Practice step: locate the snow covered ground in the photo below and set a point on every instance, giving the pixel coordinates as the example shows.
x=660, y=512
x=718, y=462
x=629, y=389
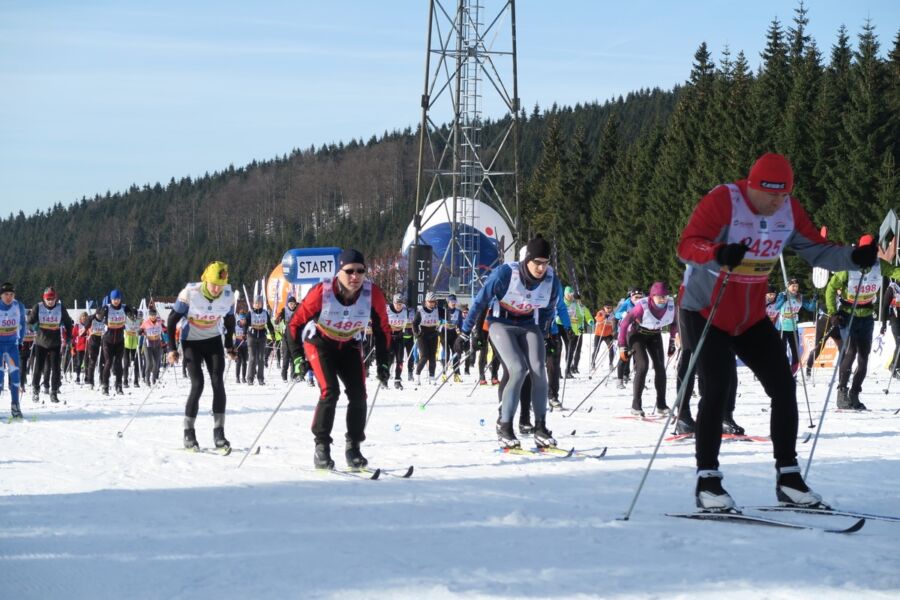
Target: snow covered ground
x=84, y=514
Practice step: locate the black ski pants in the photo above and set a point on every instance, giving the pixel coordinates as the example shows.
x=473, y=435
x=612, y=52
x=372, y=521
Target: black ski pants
x=46, y=359
x=554, y=361
x=257, y=359
x=647, y=349
x=760, y=348
x=859, y=344
x=598, y=343
x=93, y=355
x=488, y=346
x=399, y=346
x=428, y=341
x=332, y=361
x=113, y=353
x=211, y=353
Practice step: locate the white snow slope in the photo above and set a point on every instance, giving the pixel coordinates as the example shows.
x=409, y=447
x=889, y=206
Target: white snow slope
x=84, y=514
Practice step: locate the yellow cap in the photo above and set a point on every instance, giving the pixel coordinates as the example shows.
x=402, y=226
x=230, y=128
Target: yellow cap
x=215, y=273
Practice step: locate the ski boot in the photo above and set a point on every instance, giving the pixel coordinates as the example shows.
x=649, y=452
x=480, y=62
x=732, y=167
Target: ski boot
x=190, y=440
x=855, y=404
x=46, y=389
x=555, y=404
x=685, y=425
x=35, y=396
x=398, y=385
x=620, y=384
x=482, y=382
x=637, y=412
x=507, y=436
x=525, y=426
x=808, y=372
x=105, y=390
x=126, y=384
x=457, y=378
x=355, y=459
x=568, y=375
x=791, y=490
x=219, y=437
x=543, y=437
x=119, y=389
x=729, y=426
x=54, y=398
x=409, y=376
x=322, y=456
x=16, y=413
x=843, y=399
x=710, y=495
x=663, y=410
x=136, y=386
x=495, y=381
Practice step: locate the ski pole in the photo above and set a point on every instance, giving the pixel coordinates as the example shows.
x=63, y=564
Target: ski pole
x=424, y=404
x=893, y=367
x=680, y=398
x=272, y=416
x=599, y=383
x=834, y=372
x=797, y=341
x=121, y=433
x=371, y=408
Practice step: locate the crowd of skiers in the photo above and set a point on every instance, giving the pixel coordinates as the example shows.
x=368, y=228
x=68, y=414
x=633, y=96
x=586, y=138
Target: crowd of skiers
x=522, y=319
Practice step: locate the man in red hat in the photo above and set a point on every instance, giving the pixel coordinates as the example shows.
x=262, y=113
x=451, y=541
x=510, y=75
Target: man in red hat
x=49, y=315
x=859, y=291
x=738, y=231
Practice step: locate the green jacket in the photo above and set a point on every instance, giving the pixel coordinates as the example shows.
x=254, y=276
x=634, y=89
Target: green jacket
x=580, y=316
x=840, y=281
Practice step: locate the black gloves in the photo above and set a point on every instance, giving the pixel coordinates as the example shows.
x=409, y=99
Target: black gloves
x=671, y=350
x=883, y=328
x=731, y=255
x=865, y=256
x=461, y=345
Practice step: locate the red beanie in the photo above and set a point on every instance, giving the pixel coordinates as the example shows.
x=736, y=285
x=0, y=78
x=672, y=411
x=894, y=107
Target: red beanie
x=866, y=239
x=771, y=173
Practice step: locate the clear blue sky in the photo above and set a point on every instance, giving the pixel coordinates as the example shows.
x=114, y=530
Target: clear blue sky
x=97, y=95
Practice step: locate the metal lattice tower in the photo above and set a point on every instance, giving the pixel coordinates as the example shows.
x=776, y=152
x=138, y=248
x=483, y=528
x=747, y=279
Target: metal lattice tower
x=470, y=56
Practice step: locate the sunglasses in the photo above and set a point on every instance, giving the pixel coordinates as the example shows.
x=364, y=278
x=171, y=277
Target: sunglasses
x=541, y=263
x=352, y=271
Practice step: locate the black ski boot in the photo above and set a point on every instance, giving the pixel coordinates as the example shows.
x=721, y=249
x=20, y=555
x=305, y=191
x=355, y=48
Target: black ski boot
x=16, y=413
x=685, y=425
x=322, y=456
x=119, y=389
x=791, y=490
x=709, y=493
x=507, y=436
x=620, y=385
x=54, y=398
x=190, y=439
x=543, y=437
x=105, y=390
x=355, y=459
x=398, y=385
x=729, y=426
x=855, y=404
x=221, y=442
x=525, y=426
x=843, y=399
x=35, y=396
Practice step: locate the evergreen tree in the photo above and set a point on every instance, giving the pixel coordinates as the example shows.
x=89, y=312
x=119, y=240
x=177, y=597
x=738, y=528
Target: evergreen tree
x=772, y=90
x=851, y=205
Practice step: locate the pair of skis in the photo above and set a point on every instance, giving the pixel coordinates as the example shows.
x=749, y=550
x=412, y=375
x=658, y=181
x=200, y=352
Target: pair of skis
x=367, y=473
x=736, y=516
x=555, y=452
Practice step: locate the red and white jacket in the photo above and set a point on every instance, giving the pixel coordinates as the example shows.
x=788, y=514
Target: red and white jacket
x=724, y=216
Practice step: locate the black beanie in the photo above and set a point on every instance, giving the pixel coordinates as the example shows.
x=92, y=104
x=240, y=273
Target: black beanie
x=537, y=248
x=350, y=256
x=7, y=287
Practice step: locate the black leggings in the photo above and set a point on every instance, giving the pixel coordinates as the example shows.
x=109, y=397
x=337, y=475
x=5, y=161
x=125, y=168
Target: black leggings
x=760, y=348
x=427, y=352
x=211, y=353
x=648, y=348
x=823, y=327
x=859, y=344
x=790, y=343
